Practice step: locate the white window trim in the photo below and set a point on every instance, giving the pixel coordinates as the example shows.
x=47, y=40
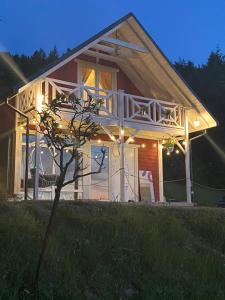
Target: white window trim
x=97, y=68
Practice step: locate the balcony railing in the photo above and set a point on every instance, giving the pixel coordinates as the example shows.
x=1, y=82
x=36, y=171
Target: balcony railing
x=116, y=104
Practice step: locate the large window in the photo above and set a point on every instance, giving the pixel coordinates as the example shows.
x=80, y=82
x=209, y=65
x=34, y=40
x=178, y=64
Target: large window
x=48, y=171
x=99, y=181
x=97, y=76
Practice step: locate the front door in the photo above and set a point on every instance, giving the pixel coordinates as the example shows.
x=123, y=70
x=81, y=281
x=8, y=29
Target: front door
x=131, y=174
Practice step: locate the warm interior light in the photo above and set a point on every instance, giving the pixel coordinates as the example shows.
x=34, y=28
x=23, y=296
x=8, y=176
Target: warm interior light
x=21, y=127
x=122, y=131
x=154, y=145
x=184, y=143
x=177, y=151
x=130, y=140
x=143, y=145
x=60, y=126
x=168, y=153
x=40, y=99
x=196, y=123
x=112, y=137
x=99, y=141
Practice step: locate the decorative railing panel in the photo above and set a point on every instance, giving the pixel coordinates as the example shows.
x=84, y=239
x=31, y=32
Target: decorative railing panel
x=155, y=112
x=27, y=99
x=109, y=98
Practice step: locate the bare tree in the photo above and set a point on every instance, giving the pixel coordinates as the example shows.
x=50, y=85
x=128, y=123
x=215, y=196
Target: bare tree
x=68, y=133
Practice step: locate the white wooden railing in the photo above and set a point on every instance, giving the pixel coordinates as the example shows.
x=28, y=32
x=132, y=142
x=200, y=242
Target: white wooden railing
x=152, y=111
x=137, y=109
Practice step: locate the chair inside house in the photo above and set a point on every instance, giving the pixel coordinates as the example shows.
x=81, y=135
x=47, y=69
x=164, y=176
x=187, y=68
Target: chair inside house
x=44, y=180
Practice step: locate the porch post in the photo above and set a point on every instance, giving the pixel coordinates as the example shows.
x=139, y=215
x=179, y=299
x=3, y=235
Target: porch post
x=160, y=166
x=36, y=165
x=187, y=161
x=122, y=153
x=39, y=103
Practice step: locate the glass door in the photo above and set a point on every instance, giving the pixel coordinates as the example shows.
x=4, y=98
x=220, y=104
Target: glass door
x=99, y=181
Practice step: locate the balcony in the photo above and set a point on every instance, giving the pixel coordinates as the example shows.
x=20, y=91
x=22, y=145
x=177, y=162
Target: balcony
x=137, y=111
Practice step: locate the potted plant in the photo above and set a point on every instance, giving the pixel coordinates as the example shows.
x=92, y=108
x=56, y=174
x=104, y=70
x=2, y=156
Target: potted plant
x=169, y=145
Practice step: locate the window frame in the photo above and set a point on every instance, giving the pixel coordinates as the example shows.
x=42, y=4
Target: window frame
x=98, y=68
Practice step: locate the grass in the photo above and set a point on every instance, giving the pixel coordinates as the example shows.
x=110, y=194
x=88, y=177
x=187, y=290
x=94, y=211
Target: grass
x=112, y=251
x=202, y=196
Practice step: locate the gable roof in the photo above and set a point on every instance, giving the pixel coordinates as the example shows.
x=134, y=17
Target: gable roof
x=151, y=72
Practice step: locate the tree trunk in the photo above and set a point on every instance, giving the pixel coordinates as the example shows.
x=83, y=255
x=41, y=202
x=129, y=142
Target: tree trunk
x=45, y=242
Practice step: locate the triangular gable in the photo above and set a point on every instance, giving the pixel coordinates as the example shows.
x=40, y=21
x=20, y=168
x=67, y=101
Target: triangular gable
x=146, y=66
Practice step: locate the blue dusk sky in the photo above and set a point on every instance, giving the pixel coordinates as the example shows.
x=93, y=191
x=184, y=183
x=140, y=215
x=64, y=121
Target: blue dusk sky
x=188, y=29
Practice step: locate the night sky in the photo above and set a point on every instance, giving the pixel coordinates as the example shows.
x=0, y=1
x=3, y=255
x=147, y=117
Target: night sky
x=188, y=29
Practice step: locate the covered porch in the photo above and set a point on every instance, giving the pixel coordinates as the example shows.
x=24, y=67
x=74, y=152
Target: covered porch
x=131, y=126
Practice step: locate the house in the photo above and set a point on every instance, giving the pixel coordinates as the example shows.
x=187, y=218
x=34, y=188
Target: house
x=146, y=104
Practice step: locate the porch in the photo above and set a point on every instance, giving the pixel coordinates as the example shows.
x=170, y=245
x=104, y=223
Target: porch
x=124, y=119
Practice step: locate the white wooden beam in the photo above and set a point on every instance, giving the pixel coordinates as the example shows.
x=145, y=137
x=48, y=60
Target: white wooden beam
x=104, y=56
x=124, y=44
x=104, y=48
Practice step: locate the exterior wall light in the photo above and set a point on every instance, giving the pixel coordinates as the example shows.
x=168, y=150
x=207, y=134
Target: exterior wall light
x=39, y=103
x=196, y=123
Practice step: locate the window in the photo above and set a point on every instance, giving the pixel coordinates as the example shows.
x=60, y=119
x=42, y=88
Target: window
x=98, y=76
x=99, y=181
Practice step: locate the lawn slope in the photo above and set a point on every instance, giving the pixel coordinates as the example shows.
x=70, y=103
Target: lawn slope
x=111, y=251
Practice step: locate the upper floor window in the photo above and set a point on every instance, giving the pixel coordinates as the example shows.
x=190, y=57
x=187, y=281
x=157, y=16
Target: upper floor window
x=97, y=76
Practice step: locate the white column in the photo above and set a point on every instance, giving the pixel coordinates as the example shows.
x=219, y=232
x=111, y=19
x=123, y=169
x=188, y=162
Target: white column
x=122, y=152
x=160, y=166
x=187, y=161
x=38, y=104
x=17, y=148
x=36, y=165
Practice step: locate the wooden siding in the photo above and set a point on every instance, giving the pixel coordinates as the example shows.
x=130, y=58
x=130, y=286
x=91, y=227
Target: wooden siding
x=67, y=72
x=7, y=119
x=148, y=160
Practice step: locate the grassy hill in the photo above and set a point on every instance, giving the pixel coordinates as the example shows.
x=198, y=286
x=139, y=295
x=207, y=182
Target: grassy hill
x=112, y=251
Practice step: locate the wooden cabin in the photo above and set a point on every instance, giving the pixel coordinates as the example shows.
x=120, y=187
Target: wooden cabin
x=140, y=90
